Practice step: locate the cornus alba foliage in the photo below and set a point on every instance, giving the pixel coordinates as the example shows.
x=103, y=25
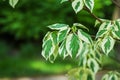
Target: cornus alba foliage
x=64, y=40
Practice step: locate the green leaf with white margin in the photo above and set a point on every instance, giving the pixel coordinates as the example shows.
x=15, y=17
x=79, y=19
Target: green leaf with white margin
x=89, y=4
x=13, y=2
x=105, y=26
x=112, y=75
x=62, y=34
x=101, y=33
x=77, y=5
x=117, y=22
x=58, y=26
x=54, y=37
x=62, y=50
x=116, y=34
x=80, y=26
x=116, y=29
x=73, y=45
x=48, y=48
x=105, y=77
x=63, y=1
x=93, y=65
x=82, y=61
x=84, y=36
x=107, y=44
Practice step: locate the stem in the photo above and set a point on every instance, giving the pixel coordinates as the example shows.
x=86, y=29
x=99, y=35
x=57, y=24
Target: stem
x=93, y=15
x=116, y=3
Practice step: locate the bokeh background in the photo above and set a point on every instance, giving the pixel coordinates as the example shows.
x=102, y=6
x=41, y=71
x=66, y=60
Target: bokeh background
x=23, y=28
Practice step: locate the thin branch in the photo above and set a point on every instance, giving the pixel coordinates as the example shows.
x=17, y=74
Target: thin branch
x=93, y=14
x=90, y=13
x=116, y=3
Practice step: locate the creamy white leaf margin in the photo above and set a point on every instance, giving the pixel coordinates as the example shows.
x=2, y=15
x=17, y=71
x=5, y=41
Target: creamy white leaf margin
x=62, y=50
x=77, y=5
x=89, y=4
x=13, y=2
x=84, y=36
x=96, y=65
x=109, y=41
x=48, y=37
x=68, y=43
x=58, y=26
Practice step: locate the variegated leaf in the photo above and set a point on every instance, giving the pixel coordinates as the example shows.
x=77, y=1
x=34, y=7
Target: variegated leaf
x=80, y=26
x=98, y=56
x=107, y=44
x=73, y=45
x=93, y=65
x=83, y=61
x=58, y=26
x=77, y=5
x=116, y=34
x=62, y=34
x=105, y=26
x=84, y=36
x=105, y=77
x=101, y=33
x=54, y=37
x=46, y=37
x=48, y=48
x=117, y=23
x=13, y=2
x=63, y=1
x=62, y=50
x=112, y=75
x=89, y=4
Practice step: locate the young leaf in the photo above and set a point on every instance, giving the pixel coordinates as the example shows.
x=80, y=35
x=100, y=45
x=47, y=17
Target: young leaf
x=89, y=4
x=107, y=44
x=73, y=45
x=77, y=5
x=62, y=50
x=58, y=26
x=13, y=2
x=84, y=36
x=62, y=34
x=63, y=1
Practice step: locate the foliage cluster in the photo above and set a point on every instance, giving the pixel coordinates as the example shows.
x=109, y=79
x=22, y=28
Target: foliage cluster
x=73, y=41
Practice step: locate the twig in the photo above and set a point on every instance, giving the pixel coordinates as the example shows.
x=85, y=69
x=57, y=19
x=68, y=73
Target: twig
x=116, y=3
x=90, y=13
x=93, y=14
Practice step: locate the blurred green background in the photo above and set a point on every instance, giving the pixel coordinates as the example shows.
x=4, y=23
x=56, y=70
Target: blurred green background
x=23, y=28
